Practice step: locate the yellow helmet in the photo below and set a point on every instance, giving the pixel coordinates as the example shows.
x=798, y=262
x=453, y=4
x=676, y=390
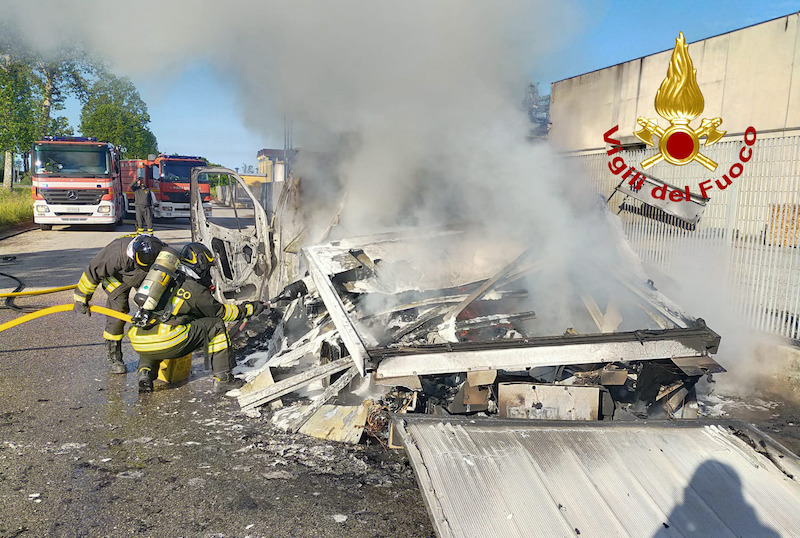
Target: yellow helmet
x=197, y=257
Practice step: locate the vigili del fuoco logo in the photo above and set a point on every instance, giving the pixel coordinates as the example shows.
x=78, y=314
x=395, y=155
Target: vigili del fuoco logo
x=679, y=101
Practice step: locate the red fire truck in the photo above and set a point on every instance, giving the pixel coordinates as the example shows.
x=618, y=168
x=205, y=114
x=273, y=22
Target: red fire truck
x=168, y=178
x=76, y=180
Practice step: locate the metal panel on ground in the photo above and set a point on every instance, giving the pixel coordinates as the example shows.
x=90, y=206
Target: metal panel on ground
x=525, y=478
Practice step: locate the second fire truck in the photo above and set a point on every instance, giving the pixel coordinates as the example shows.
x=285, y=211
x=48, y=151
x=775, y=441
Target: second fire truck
x=168, y=178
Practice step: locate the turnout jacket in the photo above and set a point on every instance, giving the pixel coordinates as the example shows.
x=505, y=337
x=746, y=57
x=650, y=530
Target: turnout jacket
x=193, y=300
x=113, y=267
x=141, y=194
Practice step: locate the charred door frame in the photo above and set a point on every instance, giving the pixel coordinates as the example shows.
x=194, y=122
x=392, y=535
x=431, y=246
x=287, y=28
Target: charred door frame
x=252, y=285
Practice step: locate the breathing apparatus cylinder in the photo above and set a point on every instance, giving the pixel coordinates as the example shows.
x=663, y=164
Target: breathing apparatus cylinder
x=162, y=273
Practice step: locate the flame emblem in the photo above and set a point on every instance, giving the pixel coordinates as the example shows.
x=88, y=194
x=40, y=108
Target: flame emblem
x=679, y=101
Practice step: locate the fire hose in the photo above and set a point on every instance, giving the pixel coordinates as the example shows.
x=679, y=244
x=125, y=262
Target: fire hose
x=38, y=292
x=62, y=308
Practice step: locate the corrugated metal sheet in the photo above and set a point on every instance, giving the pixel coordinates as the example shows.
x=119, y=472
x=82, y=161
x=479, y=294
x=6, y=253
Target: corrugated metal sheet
x=522, y=478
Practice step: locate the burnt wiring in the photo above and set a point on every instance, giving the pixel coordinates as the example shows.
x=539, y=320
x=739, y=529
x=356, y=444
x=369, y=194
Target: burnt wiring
x=378, y=420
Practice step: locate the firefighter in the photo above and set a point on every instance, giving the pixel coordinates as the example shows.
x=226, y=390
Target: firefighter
x=198, y=321
x=144, y=206
x=120, y=266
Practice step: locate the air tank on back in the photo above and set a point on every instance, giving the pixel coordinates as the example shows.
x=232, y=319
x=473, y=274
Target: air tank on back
x=158, y=280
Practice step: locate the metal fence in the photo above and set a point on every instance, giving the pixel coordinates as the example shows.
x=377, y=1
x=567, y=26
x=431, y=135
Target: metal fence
x=752, y=226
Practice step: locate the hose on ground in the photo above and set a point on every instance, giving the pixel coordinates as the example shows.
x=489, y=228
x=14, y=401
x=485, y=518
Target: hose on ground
x=62, y=308
x=36, y=292
x=10, y=298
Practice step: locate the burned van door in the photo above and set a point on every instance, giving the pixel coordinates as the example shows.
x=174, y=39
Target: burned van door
x=240, y=242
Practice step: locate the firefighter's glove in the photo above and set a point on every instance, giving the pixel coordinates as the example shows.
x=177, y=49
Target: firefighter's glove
x=253, y=308
x=82, y=308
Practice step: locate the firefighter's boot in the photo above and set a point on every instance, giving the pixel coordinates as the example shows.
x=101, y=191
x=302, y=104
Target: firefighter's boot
x=115, y=362
x=223, y=382
x=145, y=380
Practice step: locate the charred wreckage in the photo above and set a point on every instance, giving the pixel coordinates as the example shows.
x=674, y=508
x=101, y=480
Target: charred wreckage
x=372, y=325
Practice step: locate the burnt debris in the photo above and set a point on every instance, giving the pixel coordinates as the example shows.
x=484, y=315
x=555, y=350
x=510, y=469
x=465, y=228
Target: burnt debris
x=369, y=326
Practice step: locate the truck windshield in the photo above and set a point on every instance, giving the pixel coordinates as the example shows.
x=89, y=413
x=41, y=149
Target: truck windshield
x=179, y=171
x=63, y=160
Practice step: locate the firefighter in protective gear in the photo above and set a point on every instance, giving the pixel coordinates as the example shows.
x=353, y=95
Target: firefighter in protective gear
x=198, y=321
x=120, y=266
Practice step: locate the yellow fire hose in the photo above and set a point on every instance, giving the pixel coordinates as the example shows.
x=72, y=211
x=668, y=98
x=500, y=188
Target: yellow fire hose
x=38, y=292
x=62, y=308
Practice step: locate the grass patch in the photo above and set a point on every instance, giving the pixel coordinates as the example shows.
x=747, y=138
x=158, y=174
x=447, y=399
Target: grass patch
x=16, y=207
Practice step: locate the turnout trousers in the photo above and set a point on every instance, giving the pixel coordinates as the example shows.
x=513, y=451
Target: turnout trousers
x=144, y=219
x=117, y=300
x=172, y=341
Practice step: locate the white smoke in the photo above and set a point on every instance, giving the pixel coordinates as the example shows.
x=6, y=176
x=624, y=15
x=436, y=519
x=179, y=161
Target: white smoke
x=432, y=89
x=427, y=93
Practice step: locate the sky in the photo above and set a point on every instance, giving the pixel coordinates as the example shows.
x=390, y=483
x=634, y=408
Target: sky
x=196, y=109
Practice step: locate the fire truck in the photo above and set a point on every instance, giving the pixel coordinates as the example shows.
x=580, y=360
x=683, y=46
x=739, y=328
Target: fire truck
x=76, y=180
x=168, y=178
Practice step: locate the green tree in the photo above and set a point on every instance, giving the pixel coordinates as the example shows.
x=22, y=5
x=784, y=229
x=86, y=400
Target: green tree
x=17, y=99
x=59, y=126
x=60, y=74
x=115, y=112
x=17, y=112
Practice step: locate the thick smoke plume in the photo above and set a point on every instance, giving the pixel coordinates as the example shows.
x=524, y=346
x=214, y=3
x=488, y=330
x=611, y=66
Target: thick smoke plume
x=429, y=91
x=426, y=96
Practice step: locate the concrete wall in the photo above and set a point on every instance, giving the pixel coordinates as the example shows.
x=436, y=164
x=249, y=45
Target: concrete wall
x=748, y=77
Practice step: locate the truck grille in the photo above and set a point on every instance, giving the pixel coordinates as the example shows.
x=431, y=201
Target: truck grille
x=178, y=197
x=73, y=196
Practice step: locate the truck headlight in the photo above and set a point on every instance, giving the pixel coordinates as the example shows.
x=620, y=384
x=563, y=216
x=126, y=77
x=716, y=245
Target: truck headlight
x=104, y=209
x=42, y=209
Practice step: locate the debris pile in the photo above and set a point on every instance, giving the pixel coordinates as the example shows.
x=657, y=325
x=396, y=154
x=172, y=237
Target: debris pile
x=376, y=328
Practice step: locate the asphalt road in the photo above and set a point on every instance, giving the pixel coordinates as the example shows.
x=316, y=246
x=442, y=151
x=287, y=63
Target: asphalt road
x=83, y=454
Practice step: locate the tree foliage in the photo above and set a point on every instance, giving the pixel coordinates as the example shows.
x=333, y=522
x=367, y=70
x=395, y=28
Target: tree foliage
x=18, y=94
x=17, y=100
x=59, y=126
x=17, y=107
x=35, y=85
x=115, y=112
x=65, y=72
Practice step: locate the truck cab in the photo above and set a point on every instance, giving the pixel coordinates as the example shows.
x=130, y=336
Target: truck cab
x=170, y=176
x=76, y=180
